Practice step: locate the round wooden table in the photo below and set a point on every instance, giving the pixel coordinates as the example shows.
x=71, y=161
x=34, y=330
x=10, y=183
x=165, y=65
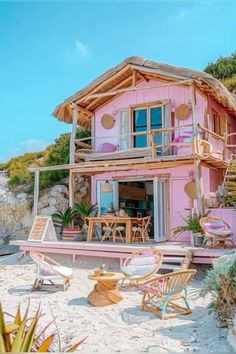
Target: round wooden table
x=105, y=291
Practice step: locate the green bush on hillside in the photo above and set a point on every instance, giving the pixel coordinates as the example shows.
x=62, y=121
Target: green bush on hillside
x=55, y=154
x=224, y=69
x=17, y=168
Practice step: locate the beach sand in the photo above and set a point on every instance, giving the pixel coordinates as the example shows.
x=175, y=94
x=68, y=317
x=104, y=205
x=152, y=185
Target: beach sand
x=121, y=328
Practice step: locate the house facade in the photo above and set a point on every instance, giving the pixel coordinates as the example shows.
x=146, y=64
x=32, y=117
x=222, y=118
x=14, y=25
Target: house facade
x=161, y=140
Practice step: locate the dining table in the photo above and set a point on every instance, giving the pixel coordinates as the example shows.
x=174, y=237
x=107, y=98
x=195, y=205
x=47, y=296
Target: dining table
x=128, y=221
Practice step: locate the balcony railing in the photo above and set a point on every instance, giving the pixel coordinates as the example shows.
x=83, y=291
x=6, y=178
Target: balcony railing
x=200, y=141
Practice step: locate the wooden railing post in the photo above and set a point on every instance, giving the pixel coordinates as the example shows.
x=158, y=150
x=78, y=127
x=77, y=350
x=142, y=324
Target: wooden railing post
x=36, y=193
x=153, y=149
x=224, y=146
x=73, y=132
x=199, y=187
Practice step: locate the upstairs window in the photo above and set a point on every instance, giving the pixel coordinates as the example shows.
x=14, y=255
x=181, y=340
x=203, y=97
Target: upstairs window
x=219, y=123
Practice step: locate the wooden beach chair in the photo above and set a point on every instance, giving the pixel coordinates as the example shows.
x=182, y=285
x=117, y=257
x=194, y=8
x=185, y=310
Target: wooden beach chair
x=217, y=233
x=167, y=291
x=141, y=265
x=50, y=271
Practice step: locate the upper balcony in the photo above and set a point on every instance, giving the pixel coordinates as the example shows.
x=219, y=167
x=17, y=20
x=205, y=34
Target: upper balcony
x=165, y=144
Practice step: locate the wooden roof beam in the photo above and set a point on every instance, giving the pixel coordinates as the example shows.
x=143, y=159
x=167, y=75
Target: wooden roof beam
x=85, y=110
x=142, y=76
x=115, y=87
x=135, y=88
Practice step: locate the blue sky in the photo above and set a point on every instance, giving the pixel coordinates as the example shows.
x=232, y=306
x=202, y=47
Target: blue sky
x=48, y=50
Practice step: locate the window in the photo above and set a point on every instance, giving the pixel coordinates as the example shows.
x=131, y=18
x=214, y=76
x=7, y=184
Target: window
x=145, y=119
x=219, y=123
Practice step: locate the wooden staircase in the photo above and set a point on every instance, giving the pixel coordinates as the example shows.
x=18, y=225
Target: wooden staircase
x=230, y=179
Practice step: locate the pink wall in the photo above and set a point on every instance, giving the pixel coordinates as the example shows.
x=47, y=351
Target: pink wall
x=179, y=202
x=178, y=199
x=214, y=106
x=177, y=95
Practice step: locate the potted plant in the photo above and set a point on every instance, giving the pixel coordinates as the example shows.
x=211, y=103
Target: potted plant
x=82, y=210
x=192, y=225
x=64, y=219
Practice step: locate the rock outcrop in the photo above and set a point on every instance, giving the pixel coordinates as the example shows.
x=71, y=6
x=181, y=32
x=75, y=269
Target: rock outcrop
x=16, y=207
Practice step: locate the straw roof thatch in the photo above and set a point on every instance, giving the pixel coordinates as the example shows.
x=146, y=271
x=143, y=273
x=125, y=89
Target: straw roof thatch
x=120, y=78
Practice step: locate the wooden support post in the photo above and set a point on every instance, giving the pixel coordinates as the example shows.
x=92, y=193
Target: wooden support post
x=36, y=193
x=199, y=187
x=71, y=188
x=194, y=118
x=73, y=132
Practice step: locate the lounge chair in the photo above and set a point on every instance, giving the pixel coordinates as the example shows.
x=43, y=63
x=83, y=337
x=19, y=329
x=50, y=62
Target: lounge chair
x=165, y=291
x=141, y=266
x=49, y=270
x=217, y=232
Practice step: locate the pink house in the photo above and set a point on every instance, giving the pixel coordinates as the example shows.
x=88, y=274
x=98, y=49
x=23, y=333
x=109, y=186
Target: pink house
x=161, y=141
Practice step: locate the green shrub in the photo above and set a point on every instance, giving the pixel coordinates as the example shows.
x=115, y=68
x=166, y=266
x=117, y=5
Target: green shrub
x=223, y=68
x=3, y=166
x=230, y=83
x=17, y=168
x=220, y=282
x=55, y=154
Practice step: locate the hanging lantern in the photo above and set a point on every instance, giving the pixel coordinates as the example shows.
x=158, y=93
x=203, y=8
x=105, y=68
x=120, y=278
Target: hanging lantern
x=106, y=187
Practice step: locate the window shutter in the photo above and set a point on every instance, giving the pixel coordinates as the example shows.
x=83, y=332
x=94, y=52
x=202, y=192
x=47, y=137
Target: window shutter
x=124, y=129
x=167, y=136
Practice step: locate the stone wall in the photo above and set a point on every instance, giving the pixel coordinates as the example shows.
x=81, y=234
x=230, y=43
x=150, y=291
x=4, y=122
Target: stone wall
x=16, y=207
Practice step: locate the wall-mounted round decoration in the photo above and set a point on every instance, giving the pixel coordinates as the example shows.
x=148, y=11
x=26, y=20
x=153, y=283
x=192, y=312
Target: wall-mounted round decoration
x=190, y=190
x=107, y=121
x=182, y=111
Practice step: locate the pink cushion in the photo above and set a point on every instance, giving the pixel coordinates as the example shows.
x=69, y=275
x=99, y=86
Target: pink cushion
x=47, y=271
x=107, y=147
x=214, y=225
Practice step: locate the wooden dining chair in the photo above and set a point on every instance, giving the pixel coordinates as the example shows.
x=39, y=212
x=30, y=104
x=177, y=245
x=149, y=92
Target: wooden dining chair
x=112, y=231
x=140, y=230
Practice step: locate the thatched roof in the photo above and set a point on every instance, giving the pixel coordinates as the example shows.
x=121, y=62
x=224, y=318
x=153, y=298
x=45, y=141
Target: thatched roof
x=121, y=77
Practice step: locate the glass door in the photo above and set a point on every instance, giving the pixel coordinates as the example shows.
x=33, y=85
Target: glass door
x=106, y=199
x=160, y=210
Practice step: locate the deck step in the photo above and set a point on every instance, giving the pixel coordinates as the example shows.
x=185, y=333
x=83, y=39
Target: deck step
x=168, y=266
x=173, y=259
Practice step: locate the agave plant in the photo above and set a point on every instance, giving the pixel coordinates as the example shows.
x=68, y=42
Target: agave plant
x=21, y=335
x=64, y=219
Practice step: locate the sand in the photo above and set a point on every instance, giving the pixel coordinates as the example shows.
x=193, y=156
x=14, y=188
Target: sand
x=119, y=328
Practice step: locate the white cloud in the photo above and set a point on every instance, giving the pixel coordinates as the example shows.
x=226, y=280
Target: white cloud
x=82, y=48
x=175, y=19
x=79, y=51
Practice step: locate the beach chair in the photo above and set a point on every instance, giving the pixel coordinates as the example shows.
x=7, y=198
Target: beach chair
x=141, y=265
x=217, y=232
x=167, y=291
x=50, y=271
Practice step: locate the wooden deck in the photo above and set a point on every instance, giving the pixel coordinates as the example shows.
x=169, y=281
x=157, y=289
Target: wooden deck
x=173, y=252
